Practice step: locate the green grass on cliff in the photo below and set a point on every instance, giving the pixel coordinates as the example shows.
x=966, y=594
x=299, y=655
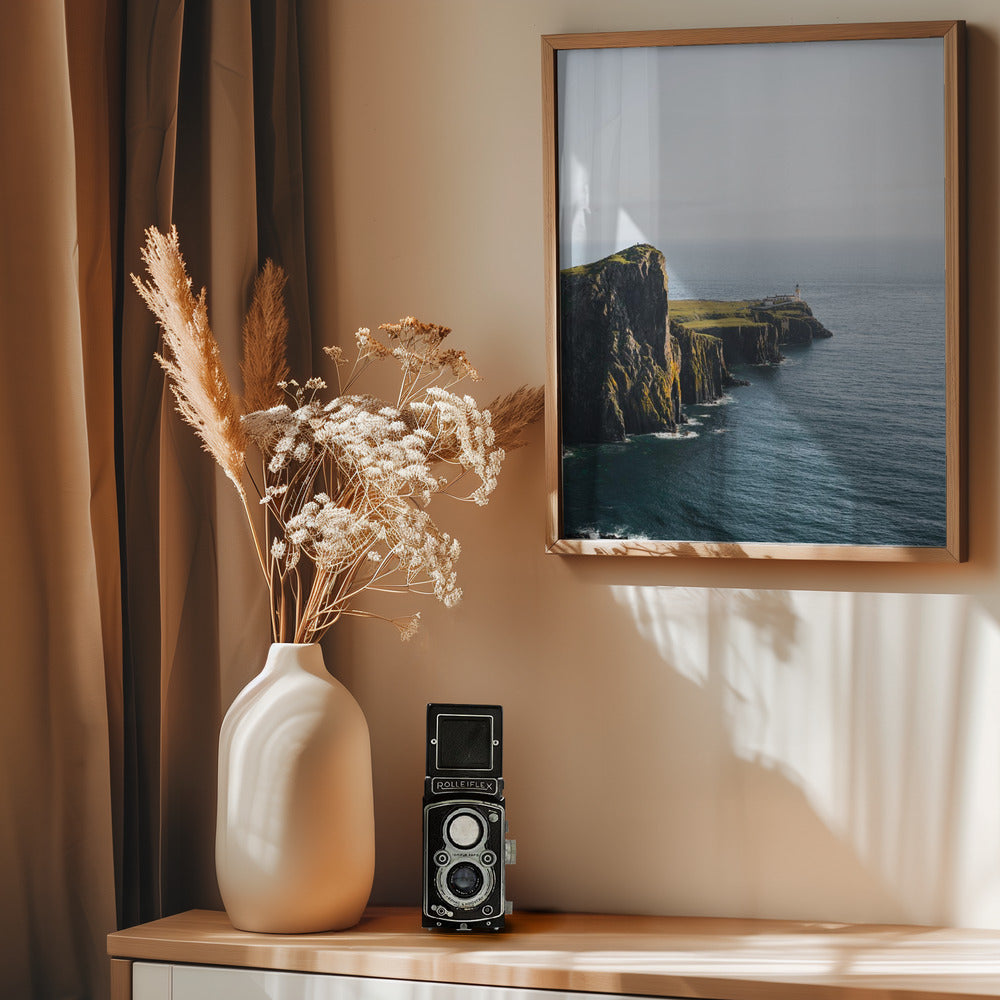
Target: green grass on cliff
x=790, y=309
x=629, y=255
x=691, y=312
x=687, y=311
x=722, y=323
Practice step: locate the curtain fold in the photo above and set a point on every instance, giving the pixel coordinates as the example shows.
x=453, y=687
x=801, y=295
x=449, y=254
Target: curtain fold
x=211, y=99
x=61, y=710
x=280, y=163
x=133, y=609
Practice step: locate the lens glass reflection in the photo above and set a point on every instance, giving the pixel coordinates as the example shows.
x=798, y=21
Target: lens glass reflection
x=465, y=880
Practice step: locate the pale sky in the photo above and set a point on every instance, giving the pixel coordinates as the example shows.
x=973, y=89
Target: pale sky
x=806, y=140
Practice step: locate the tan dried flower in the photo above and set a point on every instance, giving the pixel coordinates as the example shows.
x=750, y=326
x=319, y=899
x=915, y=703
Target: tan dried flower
x=336, y=355
x=408, y=627
x=345, y=483
x=191, y=357
x=265, y=333
x=512, y=414
x=416, y=335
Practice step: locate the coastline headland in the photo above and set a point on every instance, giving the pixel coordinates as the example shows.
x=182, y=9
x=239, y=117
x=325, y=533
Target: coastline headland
x=631, y=357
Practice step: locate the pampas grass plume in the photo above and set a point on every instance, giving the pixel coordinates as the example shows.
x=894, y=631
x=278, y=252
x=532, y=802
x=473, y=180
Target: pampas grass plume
x=265, y=335
x=191, y=357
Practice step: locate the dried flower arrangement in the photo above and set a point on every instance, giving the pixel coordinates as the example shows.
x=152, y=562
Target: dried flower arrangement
x=344, y=484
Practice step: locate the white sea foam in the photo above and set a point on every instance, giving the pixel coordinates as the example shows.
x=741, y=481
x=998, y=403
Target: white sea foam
x=723, y=400
x=619, y=532
x=684, y=435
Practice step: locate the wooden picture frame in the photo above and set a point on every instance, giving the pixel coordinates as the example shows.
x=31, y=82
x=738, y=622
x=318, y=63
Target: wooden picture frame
x=667, y=115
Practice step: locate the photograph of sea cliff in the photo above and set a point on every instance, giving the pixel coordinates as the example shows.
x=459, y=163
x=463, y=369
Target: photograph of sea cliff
x=752, y=293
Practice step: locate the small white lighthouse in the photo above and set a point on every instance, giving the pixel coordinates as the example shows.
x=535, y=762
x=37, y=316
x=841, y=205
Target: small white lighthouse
x=798, y=293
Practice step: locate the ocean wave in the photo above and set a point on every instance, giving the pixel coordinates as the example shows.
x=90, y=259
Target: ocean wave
x=723, y=400
x=684, y=435
x=591, y=533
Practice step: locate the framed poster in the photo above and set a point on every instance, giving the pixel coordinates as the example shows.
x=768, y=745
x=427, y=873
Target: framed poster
x=755, y=292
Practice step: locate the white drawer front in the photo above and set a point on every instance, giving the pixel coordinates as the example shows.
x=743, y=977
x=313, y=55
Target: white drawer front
x=152, y=981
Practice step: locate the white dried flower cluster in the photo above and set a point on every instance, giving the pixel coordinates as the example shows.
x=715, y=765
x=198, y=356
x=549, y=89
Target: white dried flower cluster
x=426, y=552
x=368, y=346
x=266, y=427
x=330, y=535
x=285, y=555
x=468, y=433
x=288, y=435
x=343, y=485
x=347, y=483
x=408, y=627
x=379, y=443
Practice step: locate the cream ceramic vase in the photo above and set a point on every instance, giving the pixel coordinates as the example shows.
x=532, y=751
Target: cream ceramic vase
x=295, y=838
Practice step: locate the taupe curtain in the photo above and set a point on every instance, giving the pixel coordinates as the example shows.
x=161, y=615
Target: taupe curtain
x=60, y=709
x=132, y=612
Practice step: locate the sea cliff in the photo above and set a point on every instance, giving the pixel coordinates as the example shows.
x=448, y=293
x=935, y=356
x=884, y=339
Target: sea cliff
x=630, y=357
x=750, y=331
x=621, y=369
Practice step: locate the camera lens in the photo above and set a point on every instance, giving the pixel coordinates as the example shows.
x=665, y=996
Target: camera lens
x=465, y=880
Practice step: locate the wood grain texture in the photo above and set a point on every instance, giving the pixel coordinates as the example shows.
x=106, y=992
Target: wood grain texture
x=553, y=464
x=758, y=35
x=121, y=979
x=750, y=550
x=955, y=295
x=955, y=548
x=726, y=959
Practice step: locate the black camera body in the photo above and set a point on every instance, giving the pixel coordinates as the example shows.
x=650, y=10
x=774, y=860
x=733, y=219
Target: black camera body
x=465, y=823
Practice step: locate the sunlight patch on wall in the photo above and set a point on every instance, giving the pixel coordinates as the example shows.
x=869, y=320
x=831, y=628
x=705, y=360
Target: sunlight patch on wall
x=674, y=622
x=880, y=708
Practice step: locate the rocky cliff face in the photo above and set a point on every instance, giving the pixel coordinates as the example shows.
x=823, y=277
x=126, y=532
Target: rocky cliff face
x=796, y=324
x=749, y=333
x=704, y=375
x=619, y=373
x=627, y=362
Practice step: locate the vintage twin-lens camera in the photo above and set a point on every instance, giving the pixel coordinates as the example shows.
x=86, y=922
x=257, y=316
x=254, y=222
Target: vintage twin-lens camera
x=465, y=823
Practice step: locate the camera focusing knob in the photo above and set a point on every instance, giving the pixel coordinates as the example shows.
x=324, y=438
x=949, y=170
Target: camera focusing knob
x=510, y=852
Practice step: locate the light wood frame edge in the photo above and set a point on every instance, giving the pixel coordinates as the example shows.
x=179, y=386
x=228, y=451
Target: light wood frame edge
x=956, y=546
x=121, y=979
x=553, y=467
x=956, y=333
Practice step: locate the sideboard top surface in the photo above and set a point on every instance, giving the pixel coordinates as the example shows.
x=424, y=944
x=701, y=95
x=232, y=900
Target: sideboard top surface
x=724, y=959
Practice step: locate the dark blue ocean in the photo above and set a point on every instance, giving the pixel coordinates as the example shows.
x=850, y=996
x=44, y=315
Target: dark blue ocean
x=843, y=442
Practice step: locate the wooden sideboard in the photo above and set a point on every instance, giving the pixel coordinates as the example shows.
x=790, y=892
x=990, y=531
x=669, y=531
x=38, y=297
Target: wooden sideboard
x=722, y=959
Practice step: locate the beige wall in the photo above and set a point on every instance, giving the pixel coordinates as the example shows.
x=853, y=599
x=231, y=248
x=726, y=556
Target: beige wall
x=786, y=740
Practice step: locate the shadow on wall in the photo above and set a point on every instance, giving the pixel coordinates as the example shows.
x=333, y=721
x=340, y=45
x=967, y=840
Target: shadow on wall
x=669, y=750
x=786, y=754
x=783, y=754
x=862, y=733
